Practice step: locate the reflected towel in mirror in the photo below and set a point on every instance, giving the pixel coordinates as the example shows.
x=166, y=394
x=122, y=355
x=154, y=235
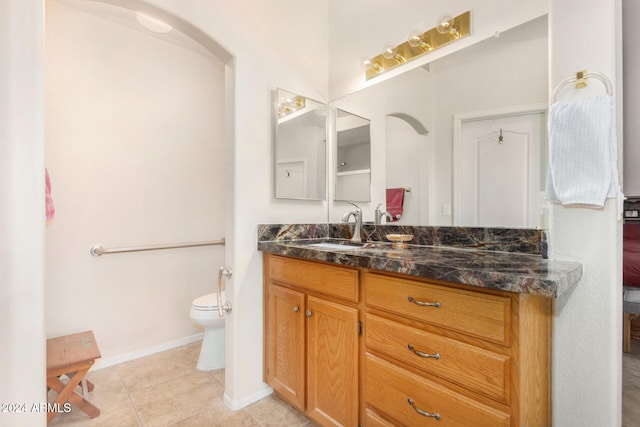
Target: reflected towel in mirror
x=395, y=202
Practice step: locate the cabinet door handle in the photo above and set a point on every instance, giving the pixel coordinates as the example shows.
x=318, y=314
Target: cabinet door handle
x=422, y=303
x=308, y=313
x=296, y=308
x=422, y=354
x=421, y=412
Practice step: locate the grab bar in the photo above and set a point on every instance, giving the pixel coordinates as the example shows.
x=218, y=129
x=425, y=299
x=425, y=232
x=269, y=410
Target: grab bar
x=227, y=305
x=97, y=250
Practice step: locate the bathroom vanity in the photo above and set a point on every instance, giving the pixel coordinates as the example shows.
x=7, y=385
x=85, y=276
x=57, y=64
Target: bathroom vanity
x=374, y=336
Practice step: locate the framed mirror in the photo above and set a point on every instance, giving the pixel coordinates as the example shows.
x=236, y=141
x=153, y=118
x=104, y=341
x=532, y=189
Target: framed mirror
x=353, y=168
x=300, y=147
x=413, y=132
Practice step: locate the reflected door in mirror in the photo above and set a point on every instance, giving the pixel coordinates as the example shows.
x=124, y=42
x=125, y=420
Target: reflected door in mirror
x=500, y=170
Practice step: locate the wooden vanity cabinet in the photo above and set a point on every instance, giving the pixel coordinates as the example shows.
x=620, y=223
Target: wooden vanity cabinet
x=311, y=337
x=430, y=353
x=452, y=355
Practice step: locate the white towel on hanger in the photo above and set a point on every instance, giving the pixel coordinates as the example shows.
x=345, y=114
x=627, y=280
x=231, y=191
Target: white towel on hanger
x=582, y=152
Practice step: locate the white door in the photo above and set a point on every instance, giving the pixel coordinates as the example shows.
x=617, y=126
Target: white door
x=498, y=164
x=291, y=176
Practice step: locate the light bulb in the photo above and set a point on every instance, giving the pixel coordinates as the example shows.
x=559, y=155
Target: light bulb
x=389, y=51
x=416, y=39
x=445, y=25
x=367, y=63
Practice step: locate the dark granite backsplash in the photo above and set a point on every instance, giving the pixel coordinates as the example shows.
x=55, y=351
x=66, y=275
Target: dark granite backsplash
x=517, y=240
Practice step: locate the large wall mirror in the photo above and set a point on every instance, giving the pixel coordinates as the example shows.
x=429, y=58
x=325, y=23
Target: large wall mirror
x=416, y=153
x=300, y=147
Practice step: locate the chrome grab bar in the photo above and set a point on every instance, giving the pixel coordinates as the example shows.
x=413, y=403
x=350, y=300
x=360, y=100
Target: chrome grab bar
x=97, y=250
x=227, y=305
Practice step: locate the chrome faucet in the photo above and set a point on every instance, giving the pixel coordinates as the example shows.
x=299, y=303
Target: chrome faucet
x=378, y=215
x=357, y=214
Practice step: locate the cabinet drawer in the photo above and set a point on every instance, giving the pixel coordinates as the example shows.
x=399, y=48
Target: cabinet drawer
x=374, y=420
x=393, y=390
x=325, y=278
x=471, y=367
x=474, y=313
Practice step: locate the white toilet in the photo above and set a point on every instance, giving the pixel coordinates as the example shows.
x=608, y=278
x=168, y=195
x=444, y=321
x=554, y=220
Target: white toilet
x=204, y=312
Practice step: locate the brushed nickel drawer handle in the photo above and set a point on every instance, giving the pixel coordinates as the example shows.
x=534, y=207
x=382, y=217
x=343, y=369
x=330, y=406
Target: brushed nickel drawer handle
x=422, y=303
x=422, y=354
x=296, y=309
x=421, y=412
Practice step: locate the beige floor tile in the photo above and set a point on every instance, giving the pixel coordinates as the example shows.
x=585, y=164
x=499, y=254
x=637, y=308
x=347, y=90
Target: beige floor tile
x=141, y=373
x=218, y=374
x=220, y=415
x=109, y=395
x=194, y=349
x=176, y=399
x=273, y=411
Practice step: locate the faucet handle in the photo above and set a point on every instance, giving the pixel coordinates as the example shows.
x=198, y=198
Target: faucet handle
x=357, y=207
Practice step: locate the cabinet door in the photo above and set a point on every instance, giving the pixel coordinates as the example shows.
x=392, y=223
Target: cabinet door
x=285, y=346
x=332, y=358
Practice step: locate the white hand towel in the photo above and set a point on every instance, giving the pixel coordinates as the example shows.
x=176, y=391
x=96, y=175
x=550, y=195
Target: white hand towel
x=582, y=152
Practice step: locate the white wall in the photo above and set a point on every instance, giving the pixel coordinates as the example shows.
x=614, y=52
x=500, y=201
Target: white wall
x=22, y=216
x=587, y=324
x=136, y=153
x=258, y=67
x=631, y=33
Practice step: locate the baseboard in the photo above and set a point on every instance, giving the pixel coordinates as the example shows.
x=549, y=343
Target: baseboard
x=236, y=404
x=116, y=360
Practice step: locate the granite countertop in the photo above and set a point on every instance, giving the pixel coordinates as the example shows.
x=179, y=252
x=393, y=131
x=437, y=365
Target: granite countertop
x=507, y=271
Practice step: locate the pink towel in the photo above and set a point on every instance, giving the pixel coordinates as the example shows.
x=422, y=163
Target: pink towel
x=395, y=200
x=50, y=209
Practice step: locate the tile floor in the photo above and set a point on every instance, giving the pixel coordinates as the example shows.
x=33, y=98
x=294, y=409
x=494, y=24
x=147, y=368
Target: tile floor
x=166, y=389
x=631, y=386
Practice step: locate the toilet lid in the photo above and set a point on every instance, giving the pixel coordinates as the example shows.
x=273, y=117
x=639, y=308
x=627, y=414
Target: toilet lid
x=207, y=302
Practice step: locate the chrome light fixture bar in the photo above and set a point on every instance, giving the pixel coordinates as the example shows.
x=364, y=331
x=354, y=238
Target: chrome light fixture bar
x=446, y=31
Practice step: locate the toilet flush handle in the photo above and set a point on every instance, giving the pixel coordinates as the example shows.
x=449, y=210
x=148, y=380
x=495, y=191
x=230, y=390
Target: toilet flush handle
x=227, y=305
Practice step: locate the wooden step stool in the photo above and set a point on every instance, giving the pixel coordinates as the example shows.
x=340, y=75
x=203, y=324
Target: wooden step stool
x=71, y=355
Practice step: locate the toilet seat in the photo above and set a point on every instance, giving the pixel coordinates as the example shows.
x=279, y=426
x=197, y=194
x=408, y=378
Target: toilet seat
x=207, y=302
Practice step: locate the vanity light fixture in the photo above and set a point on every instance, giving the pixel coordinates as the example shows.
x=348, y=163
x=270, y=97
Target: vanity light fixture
x=152, y=24
x=290, y=105
x=419, y=43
